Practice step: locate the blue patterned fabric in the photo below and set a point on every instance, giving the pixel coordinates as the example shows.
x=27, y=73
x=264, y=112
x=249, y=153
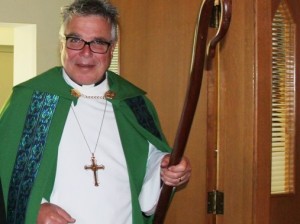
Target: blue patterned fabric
x=29, y=155
x=141, y=112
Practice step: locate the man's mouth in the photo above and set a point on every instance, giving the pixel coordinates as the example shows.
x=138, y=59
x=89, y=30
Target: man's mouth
x=85, y=65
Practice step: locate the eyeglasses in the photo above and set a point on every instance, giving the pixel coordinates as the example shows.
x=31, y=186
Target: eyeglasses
x=96, y=46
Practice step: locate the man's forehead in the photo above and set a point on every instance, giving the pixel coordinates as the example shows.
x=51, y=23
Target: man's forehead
x=92, y=27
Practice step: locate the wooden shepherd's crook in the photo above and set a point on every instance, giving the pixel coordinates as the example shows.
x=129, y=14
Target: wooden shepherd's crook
x=193, y=91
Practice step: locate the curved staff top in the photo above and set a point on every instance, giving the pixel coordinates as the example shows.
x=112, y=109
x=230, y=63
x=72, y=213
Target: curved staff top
x=201, y=53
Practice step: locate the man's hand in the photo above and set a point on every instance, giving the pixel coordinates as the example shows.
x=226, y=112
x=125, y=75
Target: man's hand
x=175, y=175
x=53, y=214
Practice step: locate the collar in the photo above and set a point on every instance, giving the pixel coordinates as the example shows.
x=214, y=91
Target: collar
x=89, y=90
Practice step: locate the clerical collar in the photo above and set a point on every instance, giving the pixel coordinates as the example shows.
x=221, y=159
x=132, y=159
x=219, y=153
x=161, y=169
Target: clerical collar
x=71, y=82
x=101, y=80
x=97, y=89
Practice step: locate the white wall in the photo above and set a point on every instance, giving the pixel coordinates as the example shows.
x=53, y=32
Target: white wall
x=23, y=39
x=46, y=16
x=6, y=73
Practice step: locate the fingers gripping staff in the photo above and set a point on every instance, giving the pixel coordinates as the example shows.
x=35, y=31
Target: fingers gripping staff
x=193, y=90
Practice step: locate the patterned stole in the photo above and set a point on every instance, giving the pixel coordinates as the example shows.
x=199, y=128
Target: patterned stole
x=142, y=114
x=29, y=155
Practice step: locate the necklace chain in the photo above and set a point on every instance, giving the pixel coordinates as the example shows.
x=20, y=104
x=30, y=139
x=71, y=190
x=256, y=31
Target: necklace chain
x=94, y=166
x=92, y=97
x=81, y=130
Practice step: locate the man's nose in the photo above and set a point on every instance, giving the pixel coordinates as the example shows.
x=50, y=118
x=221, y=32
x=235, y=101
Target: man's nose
x=86, y=50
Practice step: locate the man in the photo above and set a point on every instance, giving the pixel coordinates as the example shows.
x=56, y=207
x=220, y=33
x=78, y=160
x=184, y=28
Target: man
x=79, y=143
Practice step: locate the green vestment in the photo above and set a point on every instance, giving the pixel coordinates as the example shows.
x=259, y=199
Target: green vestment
x=31, y=125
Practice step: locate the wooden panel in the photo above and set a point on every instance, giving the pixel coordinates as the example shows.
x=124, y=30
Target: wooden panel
x=156, y=50
x=236, y=111
x=262, y=124
x=244, y=124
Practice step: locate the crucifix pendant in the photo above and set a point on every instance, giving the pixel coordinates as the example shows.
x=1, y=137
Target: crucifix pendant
x=94, y=167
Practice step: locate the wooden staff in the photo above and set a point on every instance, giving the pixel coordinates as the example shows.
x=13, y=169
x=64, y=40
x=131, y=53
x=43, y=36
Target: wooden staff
x=193, y=91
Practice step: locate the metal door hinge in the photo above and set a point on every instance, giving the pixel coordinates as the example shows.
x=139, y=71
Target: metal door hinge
x=215, y=202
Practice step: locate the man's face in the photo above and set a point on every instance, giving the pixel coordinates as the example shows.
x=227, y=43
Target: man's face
x=84, y=66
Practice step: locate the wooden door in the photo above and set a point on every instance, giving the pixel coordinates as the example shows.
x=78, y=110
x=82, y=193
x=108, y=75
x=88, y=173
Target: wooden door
x=156, y=51
x=243, y=121
x=285, y=208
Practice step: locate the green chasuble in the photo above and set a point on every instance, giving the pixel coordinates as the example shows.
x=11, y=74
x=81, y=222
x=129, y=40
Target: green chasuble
x=31, y=125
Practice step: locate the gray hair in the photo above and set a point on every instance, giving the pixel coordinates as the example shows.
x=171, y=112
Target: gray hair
x=100, y=8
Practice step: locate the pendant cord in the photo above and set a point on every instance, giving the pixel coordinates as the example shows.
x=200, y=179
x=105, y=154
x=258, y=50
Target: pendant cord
x=72, y=107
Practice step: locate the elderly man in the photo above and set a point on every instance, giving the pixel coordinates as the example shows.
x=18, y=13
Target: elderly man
x=80, y=143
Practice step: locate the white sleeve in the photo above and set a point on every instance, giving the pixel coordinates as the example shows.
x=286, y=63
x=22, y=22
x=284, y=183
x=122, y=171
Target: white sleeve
x=152, y=183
